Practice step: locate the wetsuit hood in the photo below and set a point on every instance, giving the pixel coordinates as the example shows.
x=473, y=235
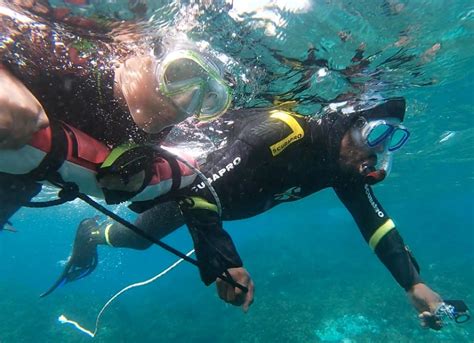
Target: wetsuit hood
x=337, y=118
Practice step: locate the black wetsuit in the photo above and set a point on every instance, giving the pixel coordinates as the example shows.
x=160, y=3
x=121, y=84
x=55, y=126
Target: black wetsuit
x=269, y=160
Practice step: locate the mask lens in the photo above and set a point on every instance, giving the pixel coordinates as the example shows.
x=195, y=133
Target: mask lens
x=378, y=134
x=190, y=101
x=183, y=74
x=216, y=100
x=194, y=84
x=399, y=137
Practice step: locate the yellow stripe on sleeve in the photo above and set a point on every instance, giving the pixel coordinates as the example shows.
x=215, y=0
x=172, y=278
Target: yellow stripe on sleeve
x=201, y=204
x=380, y=233
x=106, y=234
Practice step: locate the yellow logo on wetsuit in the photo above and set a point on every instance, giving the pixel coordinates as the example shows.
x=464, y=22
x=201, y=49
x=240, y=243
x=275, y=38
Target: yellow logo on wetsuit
x=296, y=134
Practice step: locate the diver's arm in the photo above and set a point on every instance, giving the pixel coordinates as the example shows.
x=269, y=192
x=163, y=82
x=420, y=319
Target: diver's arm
x=21, y=114
x=215, y=252
x=381, y=234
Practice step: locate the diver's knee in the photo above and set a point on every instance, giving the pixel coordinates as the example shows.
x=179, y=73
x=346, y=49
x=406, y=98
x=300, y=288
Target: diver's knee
x=142, y=244
x=127, y=239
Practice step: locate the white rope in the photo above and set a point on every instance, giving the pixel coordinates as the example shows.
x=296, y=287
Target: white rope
x=62, y=318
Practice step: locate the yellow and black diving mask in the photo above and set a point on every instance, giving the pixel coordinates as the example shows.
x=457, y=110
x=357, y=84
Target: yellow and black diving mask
x=194, y=84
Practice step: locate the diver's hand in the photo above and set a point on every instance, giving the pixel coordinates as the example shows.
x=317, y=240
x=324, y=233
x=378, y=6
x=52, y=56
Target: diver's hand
x=234, y=295
x=425, y=301
x=21, y=114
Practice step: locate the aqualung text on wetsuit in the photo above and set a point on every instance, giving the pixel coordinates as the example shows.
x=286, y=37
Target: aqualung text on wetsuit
x=372, y=202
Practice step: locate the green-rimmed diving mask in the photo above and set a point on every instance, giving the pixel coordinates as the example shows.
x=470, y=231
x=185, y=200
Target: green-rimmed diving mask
x=194, y=84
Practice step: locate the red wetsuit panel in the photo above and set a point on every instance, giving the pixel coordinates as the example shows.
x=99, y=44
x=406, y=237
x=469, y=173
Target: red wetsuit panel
x=83, y=150
x=162, y=170
x=42, y=140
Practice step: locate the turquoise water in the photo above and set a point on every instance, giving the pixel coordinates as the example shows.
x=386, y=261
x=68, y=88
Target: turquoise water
x=316, y=280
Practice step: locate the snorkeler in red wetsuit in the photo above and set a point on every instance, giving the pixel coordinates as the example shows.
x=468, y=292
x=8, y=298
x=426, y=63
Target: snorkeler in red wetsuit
x=77, y=81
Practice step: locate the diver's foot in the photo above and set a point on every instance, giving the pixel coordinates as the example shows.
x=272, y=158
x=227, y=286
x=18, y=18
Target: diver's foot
x=84, y=258
x=88, y=236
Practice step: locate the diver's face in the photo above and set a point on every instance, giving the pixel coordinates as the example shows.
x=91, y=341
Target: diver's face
x=367, y=148
x=151, y=110
x=355, y=157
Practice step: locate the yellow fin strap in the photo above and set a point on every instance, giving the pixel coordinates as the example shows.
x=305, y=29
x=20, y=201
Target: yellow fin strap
x=106, y=234
x=380, y=233
x=201, y=204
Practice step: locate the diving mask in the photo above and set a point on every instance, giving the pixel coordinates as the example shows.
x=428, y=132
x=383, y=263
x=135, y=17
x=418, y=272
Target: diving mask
x=194, y=84
x=382, y=137
x=388, y=133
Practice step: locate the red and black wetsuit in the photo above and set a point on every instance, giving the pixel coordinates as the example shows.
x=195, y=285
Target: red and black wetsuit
x=68, y=63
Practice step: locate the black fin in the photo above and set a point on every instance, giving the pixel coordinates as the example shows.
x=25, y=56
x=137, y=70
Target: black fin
x=84, y=257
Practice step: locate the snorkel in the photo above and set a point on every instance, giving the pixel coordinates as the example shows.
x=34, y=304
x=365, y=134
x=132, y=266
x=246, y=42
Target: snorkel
x=377, y=173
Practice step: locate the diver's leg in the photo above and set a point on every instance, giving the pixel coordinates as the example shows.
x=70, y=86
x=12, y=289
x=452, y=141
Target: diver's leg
x=159, y=221
x=84, y=258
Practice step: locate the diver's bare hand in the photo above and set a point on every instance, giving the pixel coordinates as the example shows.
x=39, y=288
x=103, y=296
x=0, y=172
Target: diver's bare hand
x=21, y=114
x=425, y=301
x=234, y=295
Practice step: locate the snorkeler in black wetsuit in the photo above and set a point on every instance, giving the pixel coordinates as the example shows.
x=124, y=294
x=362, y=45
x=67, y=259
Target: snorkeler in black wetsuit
x=274, y=156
